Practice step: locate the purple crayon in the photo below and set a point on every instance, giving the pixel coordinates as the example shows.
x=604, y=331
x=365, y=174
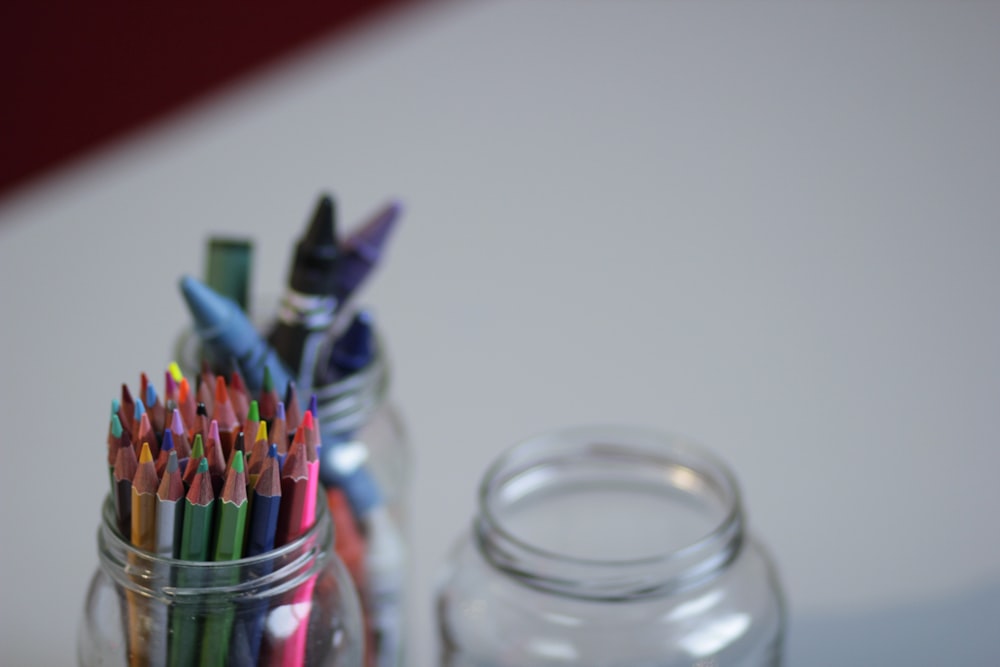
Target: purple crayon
x=363, y=248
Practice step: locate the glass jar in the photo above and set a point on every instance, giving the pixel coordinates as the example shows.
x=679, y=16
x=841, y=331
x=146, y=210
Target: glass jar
x=365, y=452
x=611, y=547
x=144, y=609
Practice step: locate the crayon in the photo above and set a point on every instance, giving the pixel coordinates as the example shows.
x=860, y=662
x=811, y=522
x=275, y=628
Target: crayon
x=310, y=303
x=227, y=333
x=363, y=248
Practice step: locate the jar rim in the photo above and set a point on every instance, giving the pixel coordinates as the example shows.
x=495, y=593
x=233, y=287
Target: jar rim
x=650, y=574
x=109, y=527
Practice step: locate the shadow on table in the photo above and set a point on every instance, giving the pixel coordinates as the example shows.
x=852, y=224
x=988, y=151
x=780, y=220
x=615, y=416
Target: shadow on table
x=957, y=631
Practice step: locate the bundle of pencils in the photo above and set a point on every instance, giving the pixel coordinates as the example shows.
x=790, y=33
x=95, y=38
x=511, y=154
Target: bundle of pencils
x=185, y=486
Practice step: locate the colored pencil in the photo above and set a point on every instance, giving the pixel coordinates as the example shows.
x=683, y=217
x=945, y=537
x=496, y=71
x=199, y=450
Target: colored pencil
x=229, y=536
x=196, y=545
x=263, y=524
x=186, y=401
x=125, y=467
x=165, y=449
x=216, y=459
x=197, y=454
x=269, y=398
x=169, y=523
x=239, y=446
x=225, y=416
x=144, y=432
x=294, y=483
x=251, y=422
x=154, y=407
x=288, y=648
x=114, y=442
x=145, y=639
x=279, y=431
x=293, y=411
x=170, y=509
x=127, y=407
x=238, y=393
x=257, y=455
x=181, y=442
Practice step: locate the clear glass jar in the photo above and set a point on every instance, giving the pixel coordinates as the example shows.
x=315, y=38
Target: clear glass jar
x=366, y=451
x=144, y=609
x=609, y=547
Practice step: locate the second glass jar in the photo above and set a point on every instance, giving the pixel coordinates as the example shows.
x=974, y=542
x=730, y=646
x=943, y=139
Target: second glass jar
x=609, y=547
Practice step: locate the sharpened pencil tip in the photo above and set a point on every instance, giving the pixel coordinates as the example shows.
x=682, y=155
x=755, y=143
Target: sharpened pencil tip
x=238, y=462
x=147, y=455
x=175, y=371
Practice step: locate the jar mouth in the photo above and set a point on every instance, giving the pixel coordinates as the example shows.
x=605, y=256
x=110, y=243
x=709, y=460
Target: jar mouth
x=110, y=528
x=609, y=512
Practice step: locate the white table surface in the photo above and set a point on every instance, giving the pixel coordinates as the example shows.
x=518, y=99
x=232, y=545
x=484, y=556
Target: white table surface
x=774, y=227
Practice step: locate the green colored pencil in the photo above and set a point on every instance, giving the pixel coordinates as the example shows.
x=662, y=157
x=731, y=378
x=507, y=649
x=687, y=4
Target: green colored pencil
x=232, y=518
x=196, y=544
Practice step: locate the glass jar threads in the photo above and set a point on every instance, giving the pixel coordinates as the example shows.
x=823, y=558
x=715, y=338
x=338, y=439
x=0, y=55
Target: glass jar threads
x=144, y=609
x=609, y=546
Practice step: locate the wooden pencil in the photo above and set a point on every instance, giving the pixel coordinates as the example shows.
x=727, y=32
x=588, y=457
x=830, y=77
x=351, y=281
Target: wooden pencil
x=181, y=442
x=238, y=393
x=197, y=454
x=294, y=483
x=265, y=506
x=144, y=432
x=225, y=416
x=293, y=411
x=268, y=401
x=251, y=423
x=170, y=509
x=196, y=545
x=216, y=459
x=231, y=510
x=279, y=431
x=125, y=467
x=145, y=638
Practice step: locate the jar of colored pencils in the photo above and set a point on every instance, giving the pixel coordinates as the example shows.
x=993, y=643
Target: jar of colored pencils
x=610, y=546
x=292, y=606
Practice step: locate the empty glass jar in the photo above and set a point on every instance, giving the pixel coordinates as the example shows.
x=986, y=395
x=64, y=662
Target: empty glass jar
x=609, y=547
x=295, y=605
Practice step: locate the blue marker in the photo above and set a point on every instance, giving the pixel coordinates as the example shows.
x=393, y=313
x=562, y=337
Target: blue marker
x=228, y=334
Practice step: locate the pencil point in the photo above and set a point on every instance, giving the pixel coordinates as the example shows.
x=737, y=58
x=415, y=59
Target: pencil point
x=253, y=414
x=116, y=426
x=175, y=371
x=198, y=447
x=139, y=410
x=237, y=464
x=146, y=456
x=168, y=441
x=172, y=464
